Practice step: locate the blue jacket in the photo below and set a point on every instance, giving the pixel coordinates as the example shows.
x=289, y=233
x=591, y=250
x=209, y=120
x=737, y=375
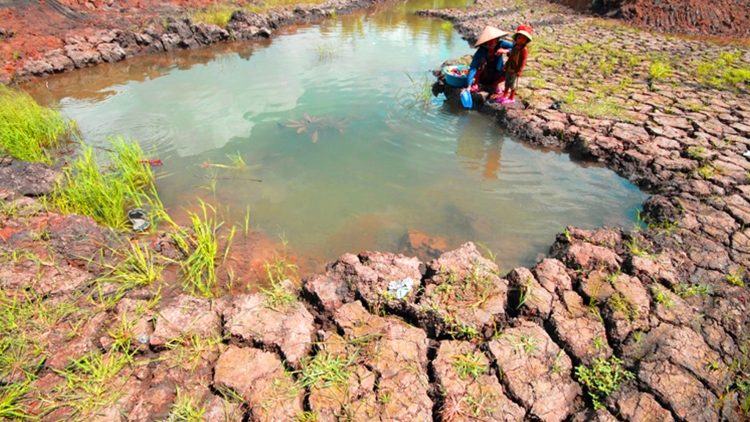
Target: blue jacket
x=481, y=54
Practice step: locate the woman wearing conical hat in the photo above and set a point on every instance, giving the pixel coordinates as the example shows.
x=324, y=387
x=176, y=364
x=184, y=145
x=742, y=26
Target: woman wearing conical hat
x=485, y=71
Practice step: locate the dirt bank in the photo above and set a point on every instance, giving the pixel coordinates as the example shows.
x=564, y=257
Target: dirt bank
x=41, y=38
x=380, y=336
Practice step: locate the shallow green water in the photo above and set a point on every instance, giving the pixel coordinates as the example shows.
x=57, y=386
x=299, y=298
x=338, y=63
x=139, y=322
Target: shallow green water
x=376, y=165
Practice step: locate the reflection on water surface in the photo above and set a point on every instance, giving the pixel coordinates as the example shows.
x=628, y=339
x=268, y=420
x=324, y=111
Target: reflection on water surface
x=328, y=117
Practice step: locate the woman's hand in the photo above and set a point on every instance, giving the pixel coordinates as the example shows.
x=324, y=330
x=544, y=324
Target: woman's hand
x=501, y=51
x=474, y=88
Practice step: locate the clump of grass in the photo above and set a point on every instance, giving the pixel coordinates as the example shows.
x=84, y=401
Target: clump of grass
x=723, y=71
x=602, y=378
x=199, y=269
x=105, y=193
x=282, y=294
x=636, y=248
x=190, y=348
x=218, y=14
x=138, y=267
x=469, y=364
x=684, y=291
x=238, y=162
x=10, y=395
x=265, y=6
x=598, y=109
x=421, y=91
x=734, y=77
x=706, y=171
x=91, y=381
x=661, y=297
x=735, y=277
x=325, y=370
x=621, y=304
x=185, y=409
x=523, y=342
x=24, y=320
x=29, y=131
x=659, y=70
x=570, y=97
x=697, y=152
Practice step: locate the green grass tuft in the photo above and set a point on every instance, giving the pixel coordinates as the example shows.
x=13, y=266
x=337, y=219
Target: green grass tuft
x=93, y=382
x=602, y=378
x=325, y=370
x=138, y=267
x=186, y=409
x=469, y=364
x=106, y=193
x=29, y=131
x=217, y=14
x=199, y=269
x=10, y=395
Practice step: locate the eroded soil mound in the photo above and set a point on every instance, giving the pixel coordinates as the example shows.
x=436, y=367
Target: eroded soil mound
x=727, y=18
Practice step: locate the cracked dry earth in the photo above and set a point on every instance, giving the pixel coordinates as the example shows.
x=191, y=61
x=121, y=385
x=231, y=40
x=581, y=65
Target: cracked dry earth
x=470, y=342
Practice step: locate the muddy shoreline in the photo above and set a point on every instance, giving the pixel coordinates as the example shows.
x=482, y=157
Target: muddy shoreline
x=462, y=340
x=110, y=36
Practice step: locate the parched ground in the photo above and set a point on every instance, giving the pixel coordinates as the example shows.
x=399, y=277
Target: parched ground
x=638, y=324
x=726, y=18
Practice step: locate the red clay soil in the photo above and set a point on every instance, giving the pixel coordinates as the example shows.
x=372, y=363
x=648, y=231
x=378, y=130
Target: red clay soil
x=28, y=28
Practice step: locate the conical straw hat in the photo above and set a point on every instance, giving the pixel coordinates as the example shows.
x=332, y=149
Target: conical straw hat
x=489, y=33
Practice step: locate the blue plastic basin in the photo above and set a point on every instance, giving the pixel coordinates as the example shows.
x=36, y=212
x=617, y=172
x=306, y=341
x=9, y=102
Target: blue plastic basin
x=457, y=81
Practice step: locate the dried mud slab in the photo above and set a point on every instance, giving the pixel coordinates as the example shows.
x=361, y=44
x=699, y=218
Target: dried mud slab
x=536, y=372
x=580, y=331
x=288, y=328
x=397, y=353
x=680, y=390
x=20, y=178
x=463, y=297
x=528, y=296
x=469, y=387
x=368, y=276
x=376, y=371
x=641, y=407
x=552, y=275
x=185, y=316
x=260, y=379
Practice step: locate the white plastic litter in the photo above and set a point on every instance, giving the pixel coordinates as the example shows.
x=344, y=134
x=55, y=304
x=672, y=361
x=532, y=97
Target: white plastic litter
x=746, y=154
x=400, y=288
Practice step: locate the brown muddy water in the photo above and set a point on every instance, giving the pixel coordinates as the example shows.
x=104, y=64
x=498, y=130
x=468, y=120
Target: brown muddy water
x=351, y=156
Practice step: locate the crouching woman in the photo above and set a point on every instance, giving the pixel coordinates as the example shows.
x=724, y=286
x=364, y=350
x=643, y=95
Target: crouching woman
x=486, y=69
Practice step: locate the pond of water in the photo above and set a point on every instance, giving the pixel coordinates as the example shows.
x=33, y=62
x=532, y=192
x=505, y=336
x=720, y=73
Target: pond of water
x=332, y=120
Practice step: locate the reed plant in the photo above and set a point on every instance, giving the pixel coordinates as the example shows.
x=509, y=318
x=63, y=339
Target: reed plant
x=28, y=131
x=104, y=193
x=282, y=276
x=201, y=244
x=420, y=92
